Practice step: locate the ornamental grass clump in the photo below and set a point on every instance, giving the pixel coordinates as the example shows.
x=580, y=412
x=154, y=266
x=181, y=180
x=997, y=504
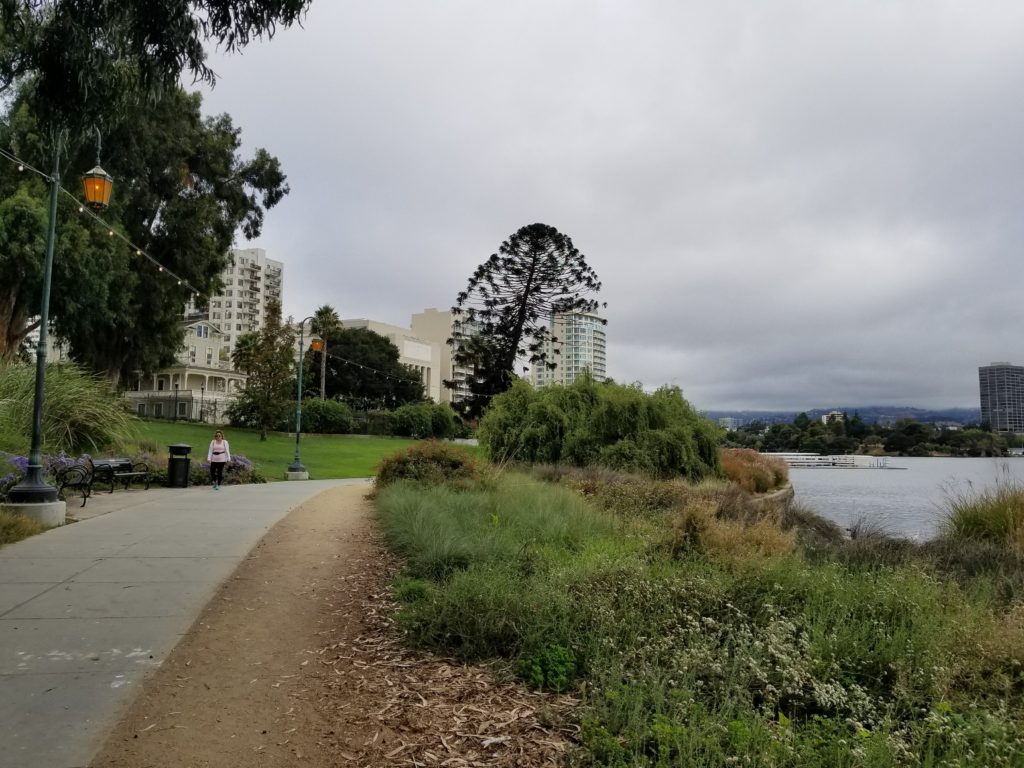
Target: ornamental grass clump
x=989, y=514
x=754, y=471
x=81, y=413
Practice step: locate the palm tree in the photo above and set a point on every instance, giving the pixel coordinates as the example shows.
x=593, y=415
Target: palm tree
x=325, y=322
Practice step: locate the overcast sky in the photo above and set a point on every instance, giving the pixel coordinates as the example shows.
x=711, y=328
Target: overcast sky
x=791, y=204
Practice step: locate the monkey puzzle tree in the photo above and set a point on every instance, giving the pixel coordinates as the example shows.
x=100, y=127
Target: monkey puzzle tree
x=509, y=303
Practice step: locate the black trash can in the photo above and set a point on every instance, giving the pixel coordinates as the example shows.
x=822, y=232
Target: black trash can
x=178, y=465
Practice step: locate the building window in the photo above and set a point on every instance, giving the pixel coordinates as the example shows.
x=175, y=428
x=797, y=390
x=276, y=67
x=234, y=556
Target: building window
x=209, y=356
x=191, y=354
x=182, y=408
x=159, y=385
x=158, y=409
x=141, y=409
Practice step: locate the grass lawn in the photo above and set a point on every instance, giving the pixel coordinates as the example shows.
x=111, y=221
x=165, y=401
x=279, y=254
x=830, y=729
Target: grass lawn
x=325, y=456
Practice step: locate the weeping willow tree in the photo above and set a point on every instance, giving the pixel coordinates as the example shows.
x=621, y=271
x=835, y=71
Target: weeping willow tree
x=622, y=427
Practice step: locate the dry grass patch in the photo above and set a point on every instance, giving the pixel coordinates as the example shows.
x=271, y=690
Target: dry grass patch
x=17, y=527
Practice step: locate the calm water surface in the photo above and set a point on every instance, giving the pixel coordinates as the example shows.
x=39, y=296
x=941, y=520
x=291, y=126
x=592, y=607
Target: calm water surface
x=907, y=502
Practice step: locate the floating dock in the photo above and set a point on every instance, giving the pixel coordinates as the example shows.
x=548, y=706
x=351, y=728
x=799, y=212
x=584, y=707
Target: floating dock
x=807, y=460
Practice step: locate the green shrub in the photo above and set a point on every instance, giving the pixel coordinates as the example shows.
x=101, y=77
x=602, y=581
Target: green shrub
x=422, y=420
x=552, y=667
x=430, y=462
x=380, y=423
x=326, y=417
x=608, y=424
x=81, y=411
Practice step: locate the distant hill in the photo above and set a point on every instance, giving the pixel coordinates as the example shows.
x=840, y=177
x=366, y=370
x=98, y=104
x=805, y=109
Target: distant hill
x=871, y=414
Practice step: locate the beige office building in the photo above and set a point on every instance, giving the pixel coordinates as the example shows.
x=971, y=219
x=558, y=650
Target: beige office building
x=437, y=326
x=423, y=355
x=581, y=346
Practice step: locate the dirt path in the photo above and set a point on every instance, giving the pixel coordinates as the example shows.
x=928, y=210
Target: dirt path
x=295, y=662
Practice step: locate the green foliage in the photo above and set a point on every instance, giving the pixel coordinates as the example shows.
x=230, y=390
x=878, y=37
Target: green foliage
x=536, y=274
x=851, y=435
x=704, y=659
x=186, y=192
x=362, y=368
x=989, y=514
x=125, y=53
x=326, y=417
x=435, y=420
x=608, y=424
x=80, y=412
x=266, y=357
x=430, y=462
x=552, y=667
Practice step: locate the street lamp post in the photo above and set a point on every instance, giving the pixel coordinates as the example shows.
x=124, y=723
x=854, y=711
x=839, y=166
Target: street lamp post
x=202, y=403
x=33, y=496
x=296, y=471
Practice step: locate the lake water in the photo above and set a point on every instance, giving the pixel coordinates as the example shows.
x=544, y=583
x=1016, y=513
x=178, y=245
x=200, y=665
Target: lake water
x=906, y=502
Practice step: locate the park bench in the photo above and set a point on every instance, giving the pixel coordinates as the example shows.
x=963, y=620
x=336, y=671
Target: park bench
x=87, y=472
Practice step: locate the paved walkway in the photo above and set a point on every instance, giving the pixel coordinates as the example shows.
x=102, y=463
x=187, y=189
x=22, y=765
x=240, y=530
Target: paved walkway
x=87, y=610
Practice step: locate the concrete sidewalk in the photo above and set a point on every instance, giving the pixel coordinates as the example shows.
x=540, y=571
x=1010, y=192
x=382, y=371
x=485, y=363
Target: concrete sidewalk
x=87, y=610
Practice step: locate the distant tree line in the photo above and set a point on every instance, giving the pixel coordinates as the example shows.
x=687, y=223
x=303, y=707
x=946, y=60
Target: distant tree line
x=850, y=434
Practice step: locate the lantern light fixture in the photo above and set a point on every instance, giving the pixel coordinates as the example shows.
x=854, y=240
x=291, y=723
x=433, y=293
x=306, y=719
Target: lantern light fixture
x=98, y=185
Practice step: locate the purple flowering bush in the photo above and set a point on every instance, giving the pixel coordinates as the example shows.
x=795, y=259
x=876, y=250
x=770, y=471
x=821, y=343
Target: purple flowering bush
x=13, y=468
x=239, y=471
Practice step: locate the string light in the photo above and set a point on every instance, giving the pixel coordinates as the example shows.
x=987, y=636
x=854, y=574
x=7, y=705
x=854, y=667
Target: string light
x=23, y=166
x=362, y=367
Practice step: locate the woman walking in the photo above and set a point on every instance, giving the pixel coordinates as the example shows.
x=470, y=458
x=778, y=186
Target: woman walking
x=218, y=456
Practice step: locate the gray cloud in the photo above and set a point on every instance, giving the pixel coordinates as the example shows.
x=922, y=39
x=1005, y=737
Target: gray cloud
x=790, y=204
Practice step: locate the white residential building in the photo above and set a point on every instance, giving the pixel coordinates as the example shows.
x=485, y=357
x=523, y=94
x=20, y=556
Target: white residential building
x=203, y=382
x=199, y=387
x=580, y=346
x=251, y=282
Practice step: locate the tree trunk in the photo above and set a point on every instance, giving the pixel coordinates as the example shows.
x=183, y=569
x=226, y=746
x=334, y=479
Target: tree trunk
x=323, y=370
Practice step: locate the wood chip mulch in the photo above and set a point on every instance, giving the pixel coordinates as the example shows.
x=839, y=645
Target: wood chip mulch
x=396, y=706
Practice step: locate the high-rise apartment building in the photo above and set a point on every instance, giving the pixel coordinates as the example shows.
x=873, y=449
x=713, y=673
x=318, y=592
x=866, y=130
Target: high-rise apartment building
x=1002, y=396
x=251, y=282
x=580, y=346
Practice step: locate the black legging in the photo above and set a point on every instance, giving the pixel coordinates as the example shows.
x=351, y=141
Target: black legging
x=217, y=471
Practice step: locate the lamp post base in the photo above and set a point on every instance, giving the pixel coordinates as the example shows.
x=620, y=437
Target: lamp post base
x=49, y=513
x=290, y=475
